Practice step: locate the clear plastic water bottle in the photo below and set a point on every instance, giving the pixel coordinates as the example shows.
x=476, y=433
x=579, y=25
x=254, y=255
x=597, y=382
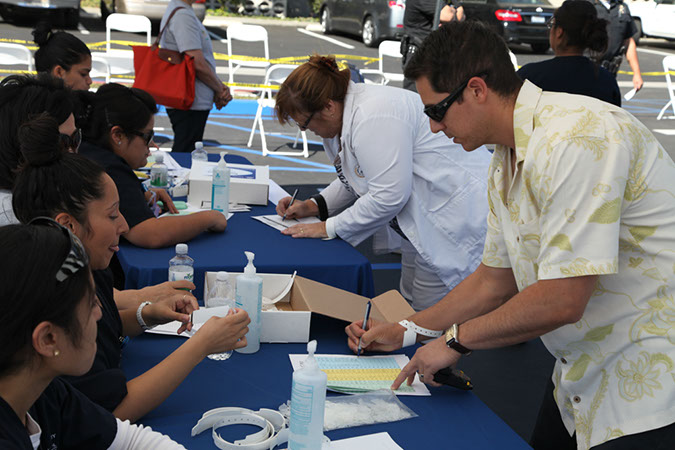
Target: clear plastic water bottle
x=159, y=173
x=181, y=266
x=221, y=294
x=199, y=154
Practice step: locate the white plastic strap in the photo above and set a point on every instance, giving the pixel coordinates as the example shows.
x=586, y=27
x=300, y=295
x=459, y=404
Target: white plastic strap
x=139, y=316
x=409, y=338
x=410, y=325
x=272, y=423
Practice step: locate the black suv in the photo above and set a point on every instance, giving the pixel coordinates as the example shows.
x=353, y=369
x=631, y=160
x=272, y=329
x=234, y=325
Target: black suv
x=517, y=21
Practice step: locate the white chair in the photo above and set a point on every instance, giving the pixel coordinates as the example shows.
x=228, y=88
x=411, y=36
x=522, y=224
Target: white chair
x=14, y=55
x=668, y=66
x=393, y=50
x=129, y=23
x=373, y=76
x=276, y=74
x=246, y=33
x=100, y=68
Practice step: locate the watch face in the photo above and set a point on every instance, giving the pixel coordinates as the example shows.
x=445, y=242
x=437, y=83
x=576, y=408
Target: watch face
x=449, y=336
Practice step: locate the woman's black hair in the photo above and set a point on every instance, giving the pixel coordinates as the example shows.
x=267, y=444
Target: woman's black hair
x=579, y=21
x=30, y=257
x=117, y=105
x=21, y=98
x=57, y=48
x=52, y=180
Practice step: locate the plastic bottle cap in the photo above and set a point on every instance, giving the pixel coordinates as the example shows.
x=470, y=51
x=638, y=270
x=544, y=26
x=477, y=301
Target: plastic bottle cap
x=250, y=268
x=222, y=162
x=310, y=364
x=181, y=249
x=222, y=276
x=311, y=347
x=159, y=157
x=199, y=145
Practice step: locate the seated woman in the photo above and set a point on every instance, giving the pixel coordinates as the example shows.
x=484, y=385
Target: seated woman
x=392, y=170
x=22, y=97
x=49, y=295
x=575, y=28
x=62, y=55
x=87, y=203
x=118, y=137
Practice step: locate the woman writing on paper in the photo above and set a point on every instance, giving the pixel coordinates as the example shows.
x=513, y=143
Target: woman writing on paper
x=392, y=171
x=87, y=203
x=48, y=295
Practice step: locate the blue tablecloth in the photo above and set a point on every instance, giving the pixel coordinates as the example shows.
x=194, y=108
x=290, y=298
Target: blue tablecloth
x=448, y=419
x=334, y=262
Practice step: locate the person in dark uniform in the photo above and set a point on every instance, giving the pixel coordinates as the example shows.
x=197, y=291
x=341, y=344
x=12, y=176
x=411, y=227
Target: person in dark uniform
x=47, y=295
x=621, y=28
x=418, y=23
x=574, y=28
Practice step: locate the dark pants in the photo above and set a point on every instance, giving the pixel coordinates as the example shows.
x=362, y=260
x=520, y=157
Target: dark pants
x=407, y=82
x=188, y=128
x=550, y=433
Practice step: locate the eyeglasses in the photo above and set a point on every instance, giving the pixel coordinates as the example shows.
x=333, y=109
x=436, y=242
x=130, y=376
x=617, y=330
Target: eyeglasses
x=551, y=23
x=77, y=257
x=304, y=126
x=437, y=112
x=147, y=136
x=73, y=141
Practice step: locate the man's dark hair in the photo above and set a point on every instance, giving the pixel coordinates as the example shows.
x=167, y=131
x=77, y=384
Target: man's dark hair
x=460, y=50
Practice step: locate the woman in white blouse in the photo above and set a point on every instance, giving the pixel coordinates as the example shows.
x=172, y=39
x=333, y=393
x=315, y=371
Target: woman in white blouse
x=392, y=172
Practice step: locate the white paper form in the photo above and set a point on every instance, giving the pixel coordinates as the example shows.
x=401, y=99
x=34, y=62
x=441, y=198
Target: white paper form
x=277, y=222
x=377, y=441
x=352, y=374
x=276, y=192
x=199, y=317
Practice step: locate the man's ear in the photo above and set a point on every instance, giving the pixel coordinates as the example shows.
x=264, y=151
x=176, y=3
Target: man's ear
x=477, y=89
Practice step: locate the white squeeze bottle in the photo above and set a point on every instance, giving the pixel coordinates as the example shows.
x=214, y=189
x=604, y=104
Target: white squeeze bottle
x=220, y=188
x=159, y=173
x=199, y=154
x=181, y=265
x=308, y=402
x=249, y=298
x=220, y=294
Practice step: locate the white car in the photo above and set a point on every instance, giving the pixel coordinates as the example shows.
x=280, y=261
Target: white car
x=152, y=9
x=69, y=8
x=654, y=18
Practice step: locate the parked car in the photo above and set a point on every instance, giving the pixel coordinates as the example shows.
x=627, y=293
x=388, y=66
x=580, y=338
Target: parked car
x=517, y=21
x=373, y=20
x=69, y=9
x=152, y=9
x=654, y=18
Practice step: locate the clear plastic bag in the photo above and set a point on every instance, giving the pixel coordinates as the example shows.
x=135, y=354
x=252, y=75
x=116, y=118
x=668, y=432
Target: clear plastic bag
x=381, y=406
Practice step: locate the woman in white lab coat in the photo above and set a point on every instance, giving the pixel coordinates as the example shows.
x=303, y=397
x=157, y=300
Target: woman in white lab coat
x=391, y=171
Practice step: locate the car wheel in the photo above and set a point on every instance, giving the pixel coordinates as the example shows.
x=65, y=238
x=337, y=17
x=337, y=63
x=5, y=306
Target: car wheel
x=325, y=20
x=71, y=18
x=540, y=48
x=369, y=32
x=638, y=33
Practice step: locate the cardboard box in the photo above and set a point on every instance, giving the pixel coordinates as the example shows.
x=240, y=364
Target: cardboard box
x=291, y=322
x=249, y=185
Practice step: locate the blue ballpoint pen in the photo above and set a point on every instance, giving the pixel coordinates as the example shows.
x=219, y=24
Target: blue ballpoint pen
x=290, y=203
x=365, y=326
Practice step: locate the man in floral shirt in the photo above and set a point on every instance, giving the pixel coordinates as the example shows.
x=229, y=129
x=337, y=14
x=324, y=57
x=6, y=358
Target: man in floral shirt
x=580, y=248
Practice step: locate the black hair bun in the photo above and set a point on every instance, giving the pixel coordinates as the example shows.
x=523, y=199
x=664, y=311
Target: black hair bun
x=40, y=140
x=42, y=33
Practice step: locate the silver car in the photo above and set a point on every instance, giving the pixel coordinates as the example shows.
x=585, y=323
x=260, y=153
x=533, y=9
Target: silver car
x=152, y=9
x=69, y=8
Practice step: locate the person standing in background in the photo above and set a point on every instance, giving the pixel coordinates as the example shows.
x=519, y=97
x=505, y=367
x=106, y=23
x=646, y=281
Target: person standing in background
x=186, y=34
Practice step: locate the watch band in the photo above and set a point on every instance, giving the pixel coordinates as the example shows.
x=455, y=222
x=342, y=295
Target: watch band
x=453, y=341
x=139, y=316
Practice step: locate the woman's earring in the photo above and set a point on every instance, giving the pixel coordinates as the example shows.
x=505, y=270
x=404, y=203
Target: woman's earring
x=119, y=142
x=57, y=353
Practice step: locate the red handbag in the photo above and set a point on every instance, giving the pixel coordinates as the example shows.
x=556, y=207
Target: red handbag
x=167, y=75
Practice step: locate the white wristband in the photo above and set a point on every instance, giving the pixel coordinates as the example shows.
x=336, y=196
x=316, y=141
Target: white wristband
x=139, y=316
x=409, y=338
x=410, y=325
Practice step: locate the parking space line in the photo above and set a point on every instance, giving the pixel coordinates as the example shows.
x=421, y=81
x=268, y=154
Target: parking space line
x=82, y=29
x=666, y=132
x=325, y=38
x=216, y=37
x=654, y=52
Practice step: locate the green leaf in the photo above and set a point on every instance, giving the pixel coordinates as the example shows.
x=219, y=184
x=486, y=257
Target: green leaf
x=641, y=232
x=577, y=371
x=607, y=213
x=598, y=334
x=653, y=273
x=561, y=241
x=661, y=358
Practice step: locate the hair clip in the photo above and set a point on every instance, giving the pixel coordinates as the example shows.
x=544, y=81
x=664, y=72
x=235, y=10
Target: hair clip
x=330, y=63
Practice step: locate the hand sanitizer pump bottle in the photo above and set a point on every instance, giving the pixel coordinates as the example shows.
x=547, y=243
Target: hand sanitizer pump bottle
x=220, y=188
x=249, y=298
x=308, y=402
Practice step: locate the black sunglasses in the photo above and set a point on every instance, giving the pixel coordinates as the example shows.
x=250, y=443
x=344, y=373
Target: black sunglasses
x=304, y=126
x=437, y=112
x=75, y=259
x=147, y=137
x=73, y=141
x=550, y=23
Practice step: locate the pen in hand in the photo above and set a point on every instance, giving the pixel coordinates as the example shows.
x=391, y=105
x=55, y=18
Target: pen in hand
x=365, y=326
x=290, y=204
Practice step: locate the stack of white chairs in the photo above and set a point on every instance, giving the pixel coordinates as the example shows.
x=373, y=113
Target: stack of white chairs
x=235, y=61
x=15, y=55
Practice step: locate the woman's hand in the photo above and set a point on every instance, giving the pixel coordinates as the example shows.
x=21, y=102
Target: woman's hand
x=222, y=334
x=217, y=219
x=168, y=291
x=166, y=199
x=169, y=310
x=307, y=230
x=299, y=208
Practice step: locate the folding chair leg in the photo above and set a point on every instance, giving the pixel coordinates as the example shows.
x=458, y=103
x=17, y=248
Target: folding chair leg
x=262, y=137
x=664, y=110
x=258, y=116
x=305, y=150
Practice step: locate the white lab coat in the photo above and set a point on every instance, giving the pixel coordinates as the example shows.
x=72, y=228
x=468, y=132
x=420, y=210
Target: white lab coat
x=396, y=167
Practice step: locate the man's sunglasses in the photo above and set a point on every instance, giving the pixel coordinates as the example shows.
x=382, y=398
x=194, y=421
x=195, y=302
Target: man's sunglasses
x=437, y=112
x=76, y=258
x=147, y=137
x=73, y=141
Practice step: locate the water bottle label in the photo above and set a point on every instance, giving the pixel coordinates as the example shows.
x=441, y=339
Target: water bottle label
x=158, y=179
x=178, y=276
